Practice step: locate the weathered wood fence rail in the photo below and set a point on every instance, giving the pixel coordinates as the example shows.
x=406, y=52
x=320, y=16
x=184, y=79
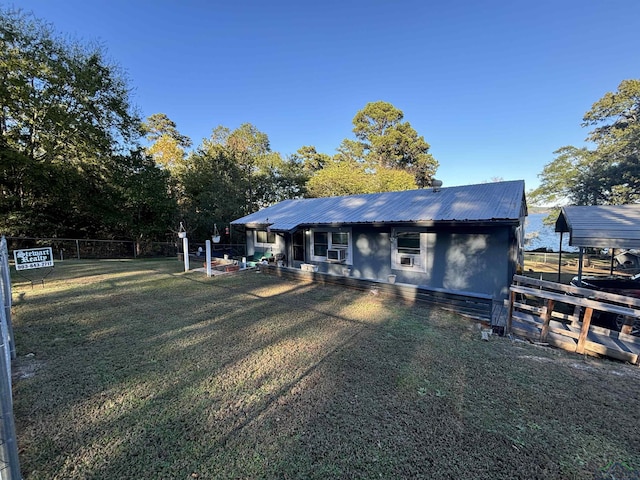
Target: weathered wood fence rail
x=476, y=306
x=562, y=315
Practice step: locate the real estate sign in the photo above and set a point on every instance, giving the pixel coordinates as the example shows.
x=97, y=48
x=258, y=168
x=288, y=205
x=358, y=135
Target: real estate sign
x=33, y=258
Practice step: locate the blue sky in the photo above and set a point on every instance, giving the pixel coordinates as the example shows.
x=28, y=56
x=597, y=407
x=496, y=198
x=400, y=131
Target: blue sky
x=494, y=86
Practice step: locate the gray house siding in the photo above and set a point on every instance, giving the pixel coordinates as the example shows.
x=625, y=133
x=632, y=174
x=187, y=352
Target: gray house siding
x=371, y=253
x=472, y=261
x=469, y=259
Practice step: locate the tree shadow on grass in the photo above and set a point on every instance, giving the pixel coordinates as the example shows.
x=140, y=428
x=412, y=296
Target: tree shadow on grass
x=257, y=377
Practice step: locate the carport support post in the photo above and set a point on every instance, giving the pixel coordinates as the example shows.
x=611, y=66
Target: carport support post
x=613, y=253
x=580, y=258
x=185, y=253
x=560, y=258
x=208, y=256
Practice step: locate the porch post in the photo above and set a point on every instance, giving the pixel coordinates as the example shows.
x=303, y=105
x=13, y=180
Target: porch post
x=208, y=256
x=185, y=253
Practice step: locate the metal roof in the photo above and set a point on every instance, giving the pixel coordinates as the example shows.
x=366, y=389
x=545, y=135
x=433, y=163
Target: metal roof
x=497, y=201
x=604, y=226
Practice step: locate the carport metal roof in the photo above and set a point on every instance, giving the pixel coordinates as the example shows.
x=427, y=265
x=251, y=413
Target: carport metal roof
x=603, y=226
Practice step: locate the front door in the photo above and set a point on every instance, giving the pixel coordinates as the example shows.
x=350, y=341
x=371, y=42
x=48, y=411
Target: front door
x=298, y=246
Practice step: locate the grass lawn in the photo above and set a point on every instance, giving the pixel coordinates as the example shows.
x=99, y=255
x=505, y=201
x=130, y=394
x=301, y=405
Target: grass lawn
x=136, y=370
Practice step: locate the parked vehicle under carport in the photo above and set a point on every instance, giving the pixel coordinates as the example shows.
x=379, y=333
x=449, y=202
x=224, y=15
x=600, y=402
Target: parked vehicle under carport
x=626, y=286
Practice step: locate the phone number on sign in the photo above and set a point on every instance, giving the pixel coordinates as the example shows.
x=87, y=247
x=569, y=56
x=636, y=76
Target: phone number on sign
x=29, y=265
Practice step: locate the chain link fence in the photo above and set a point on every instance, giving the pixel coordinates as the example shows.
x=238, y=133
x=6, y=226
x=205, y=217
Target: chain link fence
x=93, y=249
x=9, y=463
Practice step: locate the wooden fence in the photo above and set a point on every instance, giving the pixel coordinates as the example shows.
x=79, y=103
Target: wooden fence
x=563, y=316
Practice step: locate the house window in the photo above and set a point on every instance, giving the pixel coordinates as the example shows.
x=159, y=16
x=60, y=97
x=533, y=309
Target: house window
x=408, y=250
x=325, y=242
x=409, y=242
x=320, y=243
x=339, y=239
x=263, y=236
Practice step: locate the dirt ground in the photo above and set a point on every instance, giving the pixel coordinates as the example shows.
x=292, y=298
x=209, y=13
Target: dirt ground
x=546, y=267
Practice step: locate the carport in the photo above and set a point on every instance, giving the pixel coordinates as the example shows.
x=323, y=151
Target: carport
x=599, y=226
x=561, y=315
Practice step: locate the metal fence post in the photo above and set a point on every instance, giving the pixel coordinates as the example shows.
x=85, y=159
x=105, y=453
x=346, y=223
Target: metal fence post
x=10, y=468
x=9, y=461
x=5, y=285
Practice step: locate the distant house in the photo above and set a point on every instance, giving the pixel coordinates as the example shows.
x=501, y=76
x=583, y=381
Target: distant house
x=466, y=239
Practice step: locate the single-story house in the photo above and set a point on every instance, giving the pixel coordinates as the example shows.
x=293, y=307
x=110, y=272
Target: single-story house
x=464, y=239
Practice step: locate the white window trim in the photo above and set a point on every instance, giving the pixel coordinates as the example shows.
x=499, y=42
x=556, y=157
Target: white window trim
x=419, y=261
x=349, y=248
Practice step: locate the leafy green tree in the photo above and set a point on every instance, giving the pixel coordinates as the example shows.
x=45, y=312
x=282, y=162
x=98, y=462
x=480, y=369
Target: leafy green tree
x=616, y=118
x=391, y=180
x=350, y=151
x=388, y=142
x=337, y=179
x=608, y=174
x=168, y=145
x=24, y=186
x=145, y=203
x=54, y=199
x=159, y=125
x=266, y=177
x=65, y=121
x=616, y=121
x=233, y=173
x=342, y=177
x=15, y=182
x=277, y=179
x=60, y=100
x=213, y=192
x=248, y=146
x=310, y=159
x=561, y=179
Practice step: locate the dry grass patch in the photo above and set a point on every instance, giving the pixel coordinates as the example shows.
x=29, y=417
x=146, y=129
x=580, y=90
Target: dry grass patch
x=141, y=371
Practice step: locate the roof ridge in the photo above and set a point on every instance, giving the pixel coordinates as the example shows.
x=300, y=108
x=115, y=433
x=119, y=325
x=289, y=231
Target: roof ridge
x=425, y=189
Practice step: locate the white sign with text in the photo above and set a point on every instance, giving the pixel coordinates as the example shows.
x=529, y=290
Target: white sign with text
x=33, y=258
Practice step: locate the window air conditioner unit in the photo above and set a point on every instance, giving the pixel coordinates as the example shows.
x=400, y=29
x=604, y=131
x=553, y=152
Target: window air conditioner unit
x=406, y=261
x=337, y=255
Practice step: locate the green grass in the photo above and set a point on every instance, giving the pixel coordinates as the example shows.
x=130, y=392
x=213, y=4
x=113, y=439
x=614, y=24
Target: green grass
x=142, y=371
